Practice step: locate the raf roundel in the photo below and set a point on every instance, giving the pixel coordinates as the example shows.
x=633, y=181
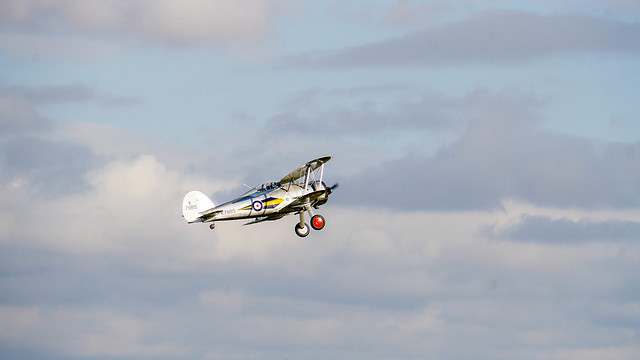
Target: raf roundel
x=257, y=205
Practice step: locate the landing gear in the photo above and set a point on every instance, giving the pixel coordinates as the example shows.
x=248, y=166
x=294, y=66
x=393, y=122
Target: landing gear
x=212, y=226
x=302, y=230
x=317, y=222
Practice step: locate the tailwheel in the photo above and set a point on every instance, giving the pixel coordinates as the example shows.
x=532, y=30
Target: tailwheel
x=317, y=222
x=212, y=226
x=302, y=230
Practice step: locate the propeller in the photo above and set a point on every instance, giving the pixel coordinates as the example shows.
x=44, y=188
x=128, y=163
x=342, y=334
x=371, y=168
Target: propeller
x=330, y=189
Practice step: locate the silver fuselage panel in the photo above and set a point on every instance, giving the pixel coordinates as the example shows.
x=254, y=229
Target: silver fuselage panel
x=268, y=200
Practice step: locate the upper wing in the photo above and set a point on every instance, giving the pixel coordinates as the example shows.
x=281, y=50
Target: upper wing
x=302, y=169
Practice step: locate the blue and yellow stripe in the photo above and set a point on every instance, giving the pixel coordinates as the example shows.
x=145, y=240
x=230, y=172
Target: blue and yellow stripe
x=268, y=203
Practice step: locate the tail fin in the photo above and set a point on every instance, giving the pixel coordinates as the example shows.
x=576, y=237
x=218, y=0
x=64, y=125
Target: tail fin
x=195, y=203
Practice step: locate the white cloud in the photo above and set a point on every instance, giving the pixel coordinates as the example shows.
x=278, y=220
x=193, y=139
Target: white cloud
x=90, y=29
x=201, y=20
x=79, y=332
x=372, y=282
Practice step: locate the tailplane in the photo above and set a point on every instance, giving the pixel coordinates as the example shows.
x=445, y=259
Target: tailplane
x=193, y=204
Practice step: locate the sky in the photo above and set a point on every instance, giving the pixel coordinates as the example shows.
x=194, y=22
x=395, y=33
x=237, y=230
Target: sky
x=488, y=155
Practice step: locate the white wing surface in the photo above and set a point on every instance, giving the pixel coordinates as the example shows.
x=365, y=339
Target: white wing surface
x=302, y=169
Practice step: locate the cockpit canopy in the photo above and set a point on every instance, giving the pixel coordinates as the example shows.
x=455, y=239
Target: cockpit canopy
x=269, y=186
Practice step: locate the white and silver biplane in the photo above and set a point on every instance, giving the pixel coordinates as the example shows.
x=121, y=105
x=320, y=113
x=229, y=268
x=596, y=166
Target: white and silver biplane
x=299, y=192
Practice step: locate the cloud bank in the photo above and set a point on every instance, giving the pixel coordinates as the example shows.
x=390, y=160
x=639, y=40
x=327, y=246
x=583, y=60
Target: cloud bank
x=490, y=38
x=157, y=22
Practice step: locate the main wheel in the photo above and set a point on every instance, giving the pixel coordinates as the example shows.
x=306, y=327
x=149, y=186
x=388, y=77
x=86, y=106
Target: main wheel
x=317, y=222
x=302, y=231
x=212, y=226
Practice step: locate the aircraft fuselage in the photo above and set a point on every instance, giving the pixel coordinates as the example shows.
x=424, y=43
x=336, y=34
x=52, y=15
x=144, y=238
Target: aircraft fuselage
x=264, y=201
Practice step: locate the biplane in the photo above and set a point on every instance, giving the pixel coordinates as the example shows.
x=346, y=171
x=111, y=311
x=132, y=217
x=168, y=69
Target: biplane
x=299, y=192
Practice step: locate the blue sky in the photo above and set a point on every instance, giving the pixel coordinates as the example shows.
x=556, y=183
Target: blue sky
x=487, y=152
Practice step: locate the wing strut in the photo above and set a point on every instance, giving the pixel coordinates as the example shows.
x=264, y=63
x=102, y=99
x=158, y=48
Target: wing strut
x=321, y=172
x=306, y=179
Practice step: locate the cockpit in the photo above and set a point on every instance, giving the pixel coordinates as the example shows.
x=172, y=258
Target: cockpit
x=269, y=186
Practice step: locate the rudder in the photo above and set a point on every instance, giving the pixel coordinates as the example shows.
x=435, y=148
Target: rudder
x=195, y=203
